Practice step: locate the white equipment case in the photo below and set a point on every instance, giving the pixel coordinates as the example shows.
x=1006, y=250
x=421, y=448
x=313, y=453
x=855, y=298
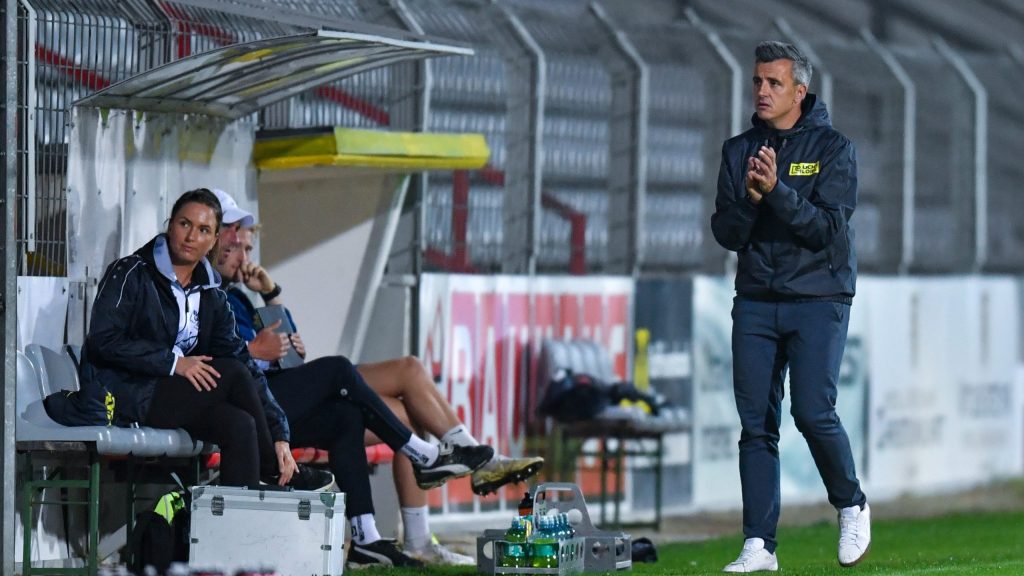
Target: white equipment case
x=292, y=532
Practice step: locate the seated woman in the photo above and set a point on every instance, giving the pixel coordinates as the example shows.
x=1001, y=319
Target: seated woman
x=162, y=344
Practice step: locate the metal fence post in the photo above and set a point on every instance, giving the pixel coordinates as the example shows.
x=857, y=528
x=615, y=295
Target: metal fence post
x=627, y=174
x=9, y=300
x=980, y=150
x=909, y=145
x=527, y=85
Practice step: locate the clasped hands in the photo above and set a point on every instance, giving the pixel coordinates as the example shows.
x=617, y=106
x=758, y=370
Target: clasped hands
x=761, y=174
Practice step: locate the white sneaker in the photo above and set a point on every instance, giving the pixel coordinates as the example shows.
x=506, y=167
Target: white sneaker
x=854, y=534
x=435, y=554
x=753, y=558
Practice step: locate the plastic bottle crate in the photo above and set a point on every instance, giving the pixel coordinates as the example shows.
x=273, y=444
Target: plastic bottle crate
x=570, y=559
x=591, y=550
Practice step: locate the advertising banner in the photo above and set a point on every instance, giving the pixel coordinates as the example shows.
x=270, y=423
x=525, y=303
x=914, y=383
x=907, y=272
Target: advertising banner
x=942, y=361
x=479, y=336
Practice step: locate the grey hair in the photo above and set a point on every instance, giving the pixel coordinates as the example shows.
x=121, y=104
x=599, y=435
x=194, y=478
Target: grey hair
x=771, y=50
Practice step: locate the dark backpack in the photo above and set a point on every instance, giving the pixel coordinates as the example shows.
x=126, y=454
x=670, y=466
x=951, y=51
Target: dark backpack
x=78, y=409
x=160, y=537
x=571, y=397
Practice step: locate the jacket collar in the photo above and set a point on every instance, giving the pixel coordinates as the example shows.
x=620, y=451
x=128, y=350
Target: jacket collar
x=158, y=254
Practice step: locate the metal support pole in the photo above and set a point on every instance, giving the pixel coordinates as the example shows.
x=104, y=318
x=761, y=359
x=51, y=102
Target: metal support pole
x=9, y=302
x=527, y=88
x=826, y=77
x=980, y=149
x=627, y=178
x=30, y=130
x=92, y=557
x=909, y=144
x=711, y=251
x=736, y=87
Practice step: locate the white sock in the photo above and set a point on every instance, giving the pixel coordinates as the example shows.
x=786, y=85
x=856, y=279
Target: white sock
x=364, y=529
x=420, y=451
x=459, y=436
x=416, y=525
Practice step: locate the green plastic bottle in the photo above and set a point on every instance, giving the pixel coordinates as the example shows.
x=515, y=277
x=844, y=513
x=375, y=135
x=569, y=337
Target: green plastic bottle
x=544, y=547
x=514, y=555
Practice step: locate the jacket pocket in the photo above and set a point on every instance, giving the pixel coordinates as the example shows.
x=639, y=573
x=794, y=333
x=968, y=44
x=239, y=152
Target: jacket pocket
x=838, y=253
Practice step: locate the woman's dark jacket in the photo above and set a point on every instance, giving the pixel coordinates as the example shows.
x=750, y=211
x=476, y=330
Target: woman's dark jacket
x=133, y=329
x=797, y=243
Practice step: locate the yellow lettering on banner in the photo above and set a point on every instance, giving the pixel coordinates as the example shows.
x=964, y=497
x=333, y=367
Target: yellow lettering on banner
x=804, y=168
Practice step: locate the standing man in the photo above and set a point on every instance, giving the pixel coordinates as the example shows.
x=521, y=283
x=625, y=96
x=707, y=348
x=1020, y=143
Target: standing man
x=786, y=190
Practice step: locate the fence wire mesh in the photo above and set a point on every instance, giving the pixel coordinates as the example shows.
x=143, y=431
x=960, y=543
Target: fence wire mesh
x=465, y=231
x=944, y=168
x=871, y=114
x=71, y=48
x=1003, y=79
x=577, y=113
x=688, y=119
x=359, y=101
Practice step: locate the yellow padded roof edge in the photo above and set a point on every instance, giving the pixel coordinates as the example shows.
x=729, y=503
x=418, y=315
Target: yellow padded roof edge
x=373, y=149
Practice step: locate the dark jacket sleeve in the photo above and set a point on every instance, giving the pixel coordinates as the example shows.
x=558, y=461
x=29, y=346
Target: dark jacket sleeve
x=111, y=340
x=226, y=343
x=243, y=311
x=818, y=219
x=735, y=214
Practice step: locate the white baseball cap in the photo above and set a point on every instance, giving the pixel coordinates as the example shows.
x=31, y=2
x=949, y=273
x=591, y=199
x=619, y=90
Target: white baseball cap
x=232, y=213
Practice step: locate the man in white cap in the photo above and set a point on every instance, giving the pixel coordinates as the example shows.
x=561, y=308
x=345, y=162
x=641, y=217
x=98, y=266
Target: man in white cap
x=403, y=384
x=233, y=220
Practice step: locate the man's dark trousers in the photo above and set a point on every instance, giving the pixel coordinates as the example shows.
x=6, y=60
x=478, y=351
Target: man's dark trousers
x=808, y=338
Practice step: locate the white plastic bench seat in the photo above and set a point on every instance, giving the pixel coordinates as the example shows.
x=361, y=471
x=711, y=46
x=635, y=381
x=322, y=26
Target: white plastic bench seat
x=41, y=371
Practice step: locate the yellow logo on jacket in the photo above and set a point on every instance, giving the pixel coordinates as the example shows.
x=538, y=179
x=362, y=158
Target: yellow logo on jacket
x=804, y=168
x=108, y=401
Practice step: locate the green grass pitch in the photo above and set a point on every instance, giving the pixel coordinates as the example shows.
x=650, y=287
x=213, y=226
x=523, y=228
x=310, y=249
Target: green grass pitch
x=959, y=544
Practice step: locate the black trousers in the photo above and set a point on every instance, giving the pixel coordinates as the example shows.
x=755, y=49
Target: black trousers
x=231, y=415
x=808, y=339
x=329, y=405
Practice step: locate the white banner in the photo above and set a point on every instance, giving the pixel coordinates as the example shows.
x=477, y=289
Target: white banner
x=943, y=361
x=716, y=428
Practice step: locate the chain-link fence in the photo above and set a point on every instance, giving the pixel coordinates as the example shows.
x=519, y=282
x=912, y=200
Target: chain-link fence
x=944, y=167
x=1003, y=80
x=689, y=98
x=577, y=112
x=957, y=205
x=463, y=227
x=871, y=114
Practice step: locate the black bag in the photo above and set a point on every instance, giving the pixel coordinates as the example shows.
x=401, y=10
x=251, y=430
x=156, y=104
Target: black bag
x=571, y=397
x=78, y=409
x=161, y=535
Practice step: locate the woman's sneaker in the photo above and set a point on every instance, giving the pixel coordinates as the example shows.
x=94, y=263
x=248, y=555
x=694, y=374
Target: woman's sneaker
x=452, y=462
x=382, y=552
